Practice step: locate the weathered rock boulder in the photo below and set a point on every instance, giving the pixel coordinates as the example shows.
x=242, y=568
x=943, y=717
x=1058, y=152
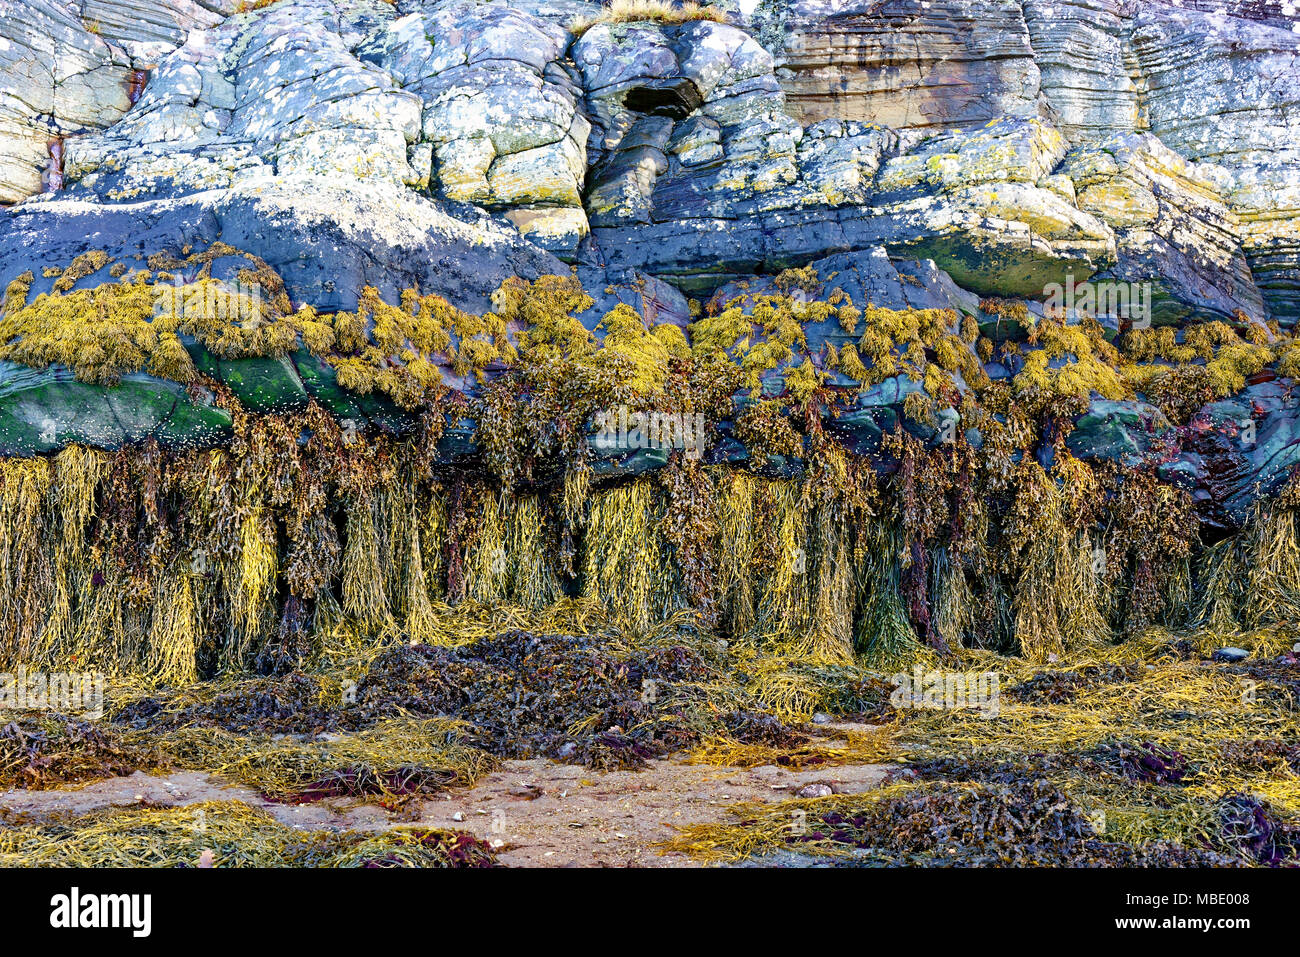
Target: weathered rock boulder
x=500, y=112
x=326, y=239
x=1172, y=227
x=67, y=68
x=1222, y=88
x=278, y=90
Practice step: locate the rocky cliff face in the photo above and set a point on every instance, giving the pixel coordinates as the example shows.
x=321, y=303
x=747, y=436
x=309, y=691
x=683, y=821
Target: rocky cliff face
x=448, y=145
x=1082, y=215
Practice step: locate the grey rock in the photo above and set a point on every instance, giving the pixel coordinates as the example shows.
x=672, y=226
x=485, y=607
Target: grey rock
x=815, y=791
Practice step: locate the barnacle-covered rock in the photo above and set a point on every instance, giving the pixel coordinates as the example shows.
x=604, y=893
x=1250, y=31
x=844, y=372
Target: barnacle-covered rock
x=42, y=411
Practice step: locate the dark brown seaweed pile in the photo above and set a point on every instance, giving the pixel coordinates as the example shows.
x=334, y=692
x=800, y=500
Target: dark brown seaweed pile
x=1024, y=823
x=51, y=750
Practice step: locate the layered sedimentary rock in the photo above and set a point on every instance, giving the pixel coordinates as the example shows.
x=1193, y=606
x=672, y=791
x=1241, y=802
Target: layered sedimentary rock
x=1215, y=82
x=1224, y=90
x=1172, y=226
x=907, y=64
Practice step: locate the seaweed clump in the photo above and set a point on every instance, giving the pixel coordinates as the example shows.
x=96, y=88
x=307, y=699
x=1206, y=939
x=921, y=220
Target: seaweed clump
x=569, y=697
x=1061, y=687
x=1250, y=825
x=51, y=751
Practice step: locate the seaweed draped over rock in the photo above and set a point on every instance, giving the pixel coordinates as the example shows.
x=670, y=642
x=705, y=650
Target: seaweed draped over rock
x=794, y=531
x=183, y=564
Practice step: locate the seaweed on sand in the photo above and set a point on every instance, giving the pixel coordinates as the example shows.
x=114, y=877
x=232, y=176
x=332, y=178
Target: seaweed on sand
x=237, y=835
x=605, y=697
x=1019, y=822
x=557, y=695
x=393, y=761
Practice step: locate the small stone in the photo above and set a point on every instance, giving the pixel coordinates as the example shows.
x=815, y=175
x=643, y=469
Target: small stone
x=820, y=718
x=458, y=816
x=1231, y=654
x=815, y=791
